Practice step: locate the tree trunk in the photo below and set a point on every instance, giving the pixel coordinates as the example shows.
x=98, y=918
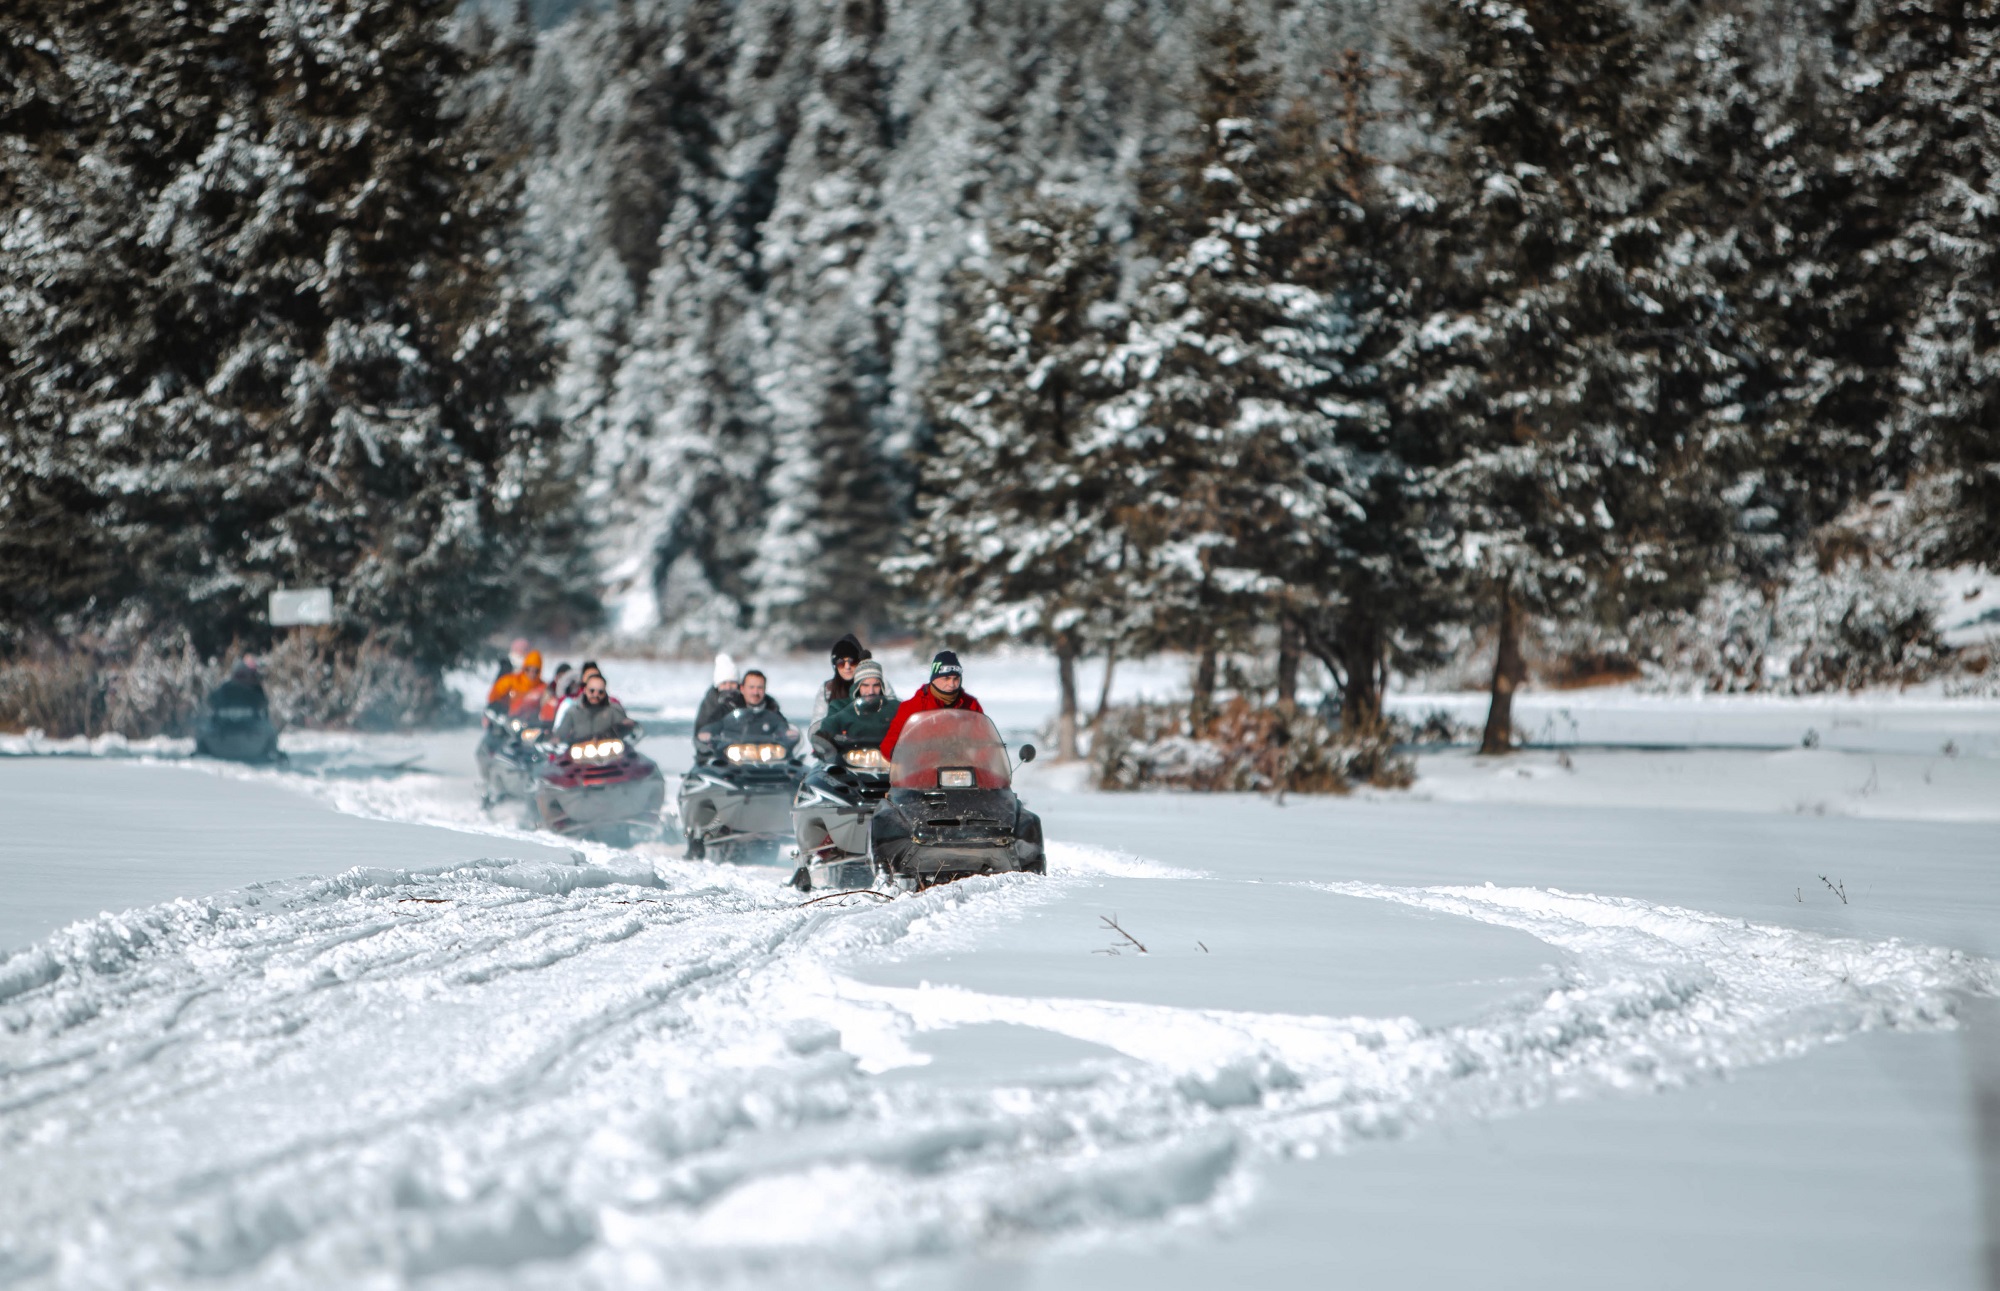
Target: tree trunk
x=1104, y=691
x=1066, y=720
x=1361, y=697
x=1204, y=692
x=1508, y=669
x=1288, y=661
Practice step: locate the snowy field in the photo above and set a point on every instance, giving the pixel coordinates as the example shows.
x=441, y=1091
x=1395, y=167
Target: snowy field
x=1676, y=1001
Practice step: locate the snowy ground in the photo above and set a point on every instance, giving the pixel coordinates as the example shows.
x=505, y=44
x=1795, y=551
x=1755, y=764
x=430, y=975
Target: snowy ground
x=1588, y=1017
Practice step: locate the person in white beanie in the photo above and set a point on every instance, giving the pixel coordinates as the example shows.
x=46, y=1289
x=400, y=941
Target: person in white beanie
x=724, y=694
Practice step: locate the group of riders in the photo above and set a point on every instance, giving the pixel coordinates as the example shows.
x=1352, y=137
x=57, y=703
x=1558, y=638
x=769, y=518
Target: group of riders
x=573, y=705
x=855, y=706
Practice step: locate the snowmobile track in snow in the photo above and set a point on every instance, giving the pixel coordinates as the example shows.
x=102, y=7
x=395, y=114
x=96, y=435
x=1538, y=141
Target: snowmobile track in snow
x=605, y=1073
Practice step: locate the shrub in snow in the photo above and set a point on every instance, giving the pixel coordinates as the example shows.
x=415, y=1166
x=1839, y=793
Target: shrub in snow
x=315, y=679
x=1244, y=747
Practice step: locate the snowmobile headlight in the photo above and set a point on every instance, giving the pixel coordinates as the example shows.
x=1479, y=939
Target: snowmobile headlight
x=611, y=748
x=955, y=778
x=771, y=752
x=531, y=733
x=742, y=753
x=514, y=723
x=871, y=758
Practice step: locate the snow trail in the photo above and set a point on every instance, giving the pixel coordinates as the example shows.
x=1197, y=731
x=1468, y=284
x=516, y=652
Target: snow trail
x=622, y=1070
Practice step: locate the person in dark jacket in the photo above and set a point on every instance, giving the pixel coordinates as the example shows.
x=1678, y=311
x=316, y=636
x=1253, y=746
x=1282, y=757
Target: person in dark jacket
x=754, y=698
x=723, y=697
x=241, y=698
x=946, y=690
x=865, y=719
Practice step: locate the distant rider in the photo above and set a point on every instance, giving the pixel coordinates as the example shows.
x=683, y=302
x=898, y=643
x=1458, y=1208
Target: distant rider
x=946, y=690
x=515, y=678
x=241, y=698
x=848, y=655
x=561, y=686
x=519, y=682
x=864, y=720
x=755, y=700
x=516, y=652
x=723, y=697
x=594, y=715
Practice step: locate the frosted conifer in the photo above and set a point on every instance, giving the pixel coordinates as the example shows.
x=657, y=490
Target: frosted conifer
x=253, y=328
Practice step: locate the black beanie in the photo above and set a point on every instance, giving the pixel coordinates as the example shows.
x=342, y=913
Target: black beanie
x=849, y=648
x=945, y=661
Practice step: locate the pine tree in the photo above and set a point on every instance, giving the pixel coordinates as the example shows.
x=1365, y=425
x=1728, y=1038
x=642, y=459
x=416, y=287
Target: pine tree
x=1930, y=145
x=1018, y=532
x=1568, y=360
x=1767, y=126
x=1233, y=369
x=1386, y=579
x=253, y=328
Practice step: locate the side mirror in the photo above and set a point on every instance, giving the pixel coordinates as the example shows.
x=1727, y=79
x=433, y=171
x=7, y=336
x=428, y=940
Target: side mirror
x=1027, y=753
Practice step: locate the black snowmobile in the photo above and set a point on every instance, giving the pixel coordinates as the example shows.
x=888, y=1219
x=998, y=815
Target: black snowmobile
x=951, y=811
x=735, y=802
x=235, y=724
x=508, y=757
x=830, y=815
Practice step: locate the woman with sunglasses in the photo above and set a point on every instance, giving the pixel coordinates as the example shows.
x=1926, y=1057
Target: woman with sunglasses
x=848, y=655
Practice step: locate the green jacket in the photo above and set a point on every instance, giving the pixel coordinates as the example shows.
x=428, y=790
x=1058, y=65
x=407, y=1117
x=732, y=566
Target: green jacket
x=844, y=724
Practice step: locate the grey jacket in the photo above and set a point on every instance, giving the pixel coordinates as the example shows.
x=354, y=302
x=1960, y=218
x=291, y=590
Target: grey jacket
x=579, y=721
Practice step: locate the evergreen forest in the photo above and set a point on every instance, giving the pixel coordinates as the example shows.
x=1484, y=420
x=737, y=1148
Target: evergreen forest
x=1660, y=333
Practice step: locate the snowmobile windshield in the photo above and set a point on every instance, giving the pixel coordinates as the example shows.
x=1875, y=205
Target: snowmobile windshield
x=750, y=736
x=950, y=749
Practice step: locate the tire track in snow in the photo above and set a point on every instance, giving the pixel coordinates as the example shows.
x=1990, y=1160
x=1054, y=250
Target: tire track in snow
x=606, y=1074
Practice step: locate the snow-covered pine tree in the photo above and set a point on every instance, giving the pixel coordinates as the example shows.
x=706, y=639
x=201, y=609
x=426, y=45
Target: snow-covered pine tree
x=1375, y=594
x=1765, y=125
x=252, y=324
x=1233, y=368
x=1930, y=146
x=1018, y=527
x=1565, y=360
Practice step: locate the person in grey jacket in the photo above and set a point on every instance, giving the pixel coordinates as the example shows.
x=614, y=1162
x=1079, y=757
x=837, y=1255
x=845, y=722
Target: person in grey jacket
x=593, y=715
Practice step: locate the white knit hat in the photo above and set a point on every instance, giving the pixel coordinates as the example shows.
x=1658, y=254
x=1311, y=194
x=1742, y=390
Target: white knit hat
x=725, y=669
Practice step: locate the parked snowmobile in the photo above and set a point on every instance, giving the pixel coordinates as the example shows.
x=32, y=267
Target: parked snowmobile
x=951, y=811
x=236, y=733
x=735, y=802
x=830, y=815
x=602, y=789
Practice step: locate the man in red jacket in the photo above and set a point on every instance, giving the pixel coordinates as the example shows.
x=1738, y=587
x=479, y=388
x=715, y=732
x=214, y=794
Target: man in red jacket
x=946, y=690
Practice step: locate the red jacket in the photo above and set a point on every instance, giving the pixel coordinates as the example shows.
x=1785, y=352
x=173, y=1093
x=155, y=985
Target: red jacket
x=924, y=701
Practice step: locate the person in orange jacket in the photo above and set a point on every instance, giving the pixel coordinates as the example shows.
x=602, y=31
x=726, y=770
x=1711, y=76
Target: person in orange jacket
x=946, y=690
x=516, y=684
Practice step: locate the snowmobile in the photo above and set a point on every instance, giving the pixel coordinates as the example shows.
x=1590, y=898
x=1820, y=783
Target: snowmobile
x=602, y=789
x=236, y=733
x=830, y=815
x=951, y=811
x=507, y=757
x=735, y=801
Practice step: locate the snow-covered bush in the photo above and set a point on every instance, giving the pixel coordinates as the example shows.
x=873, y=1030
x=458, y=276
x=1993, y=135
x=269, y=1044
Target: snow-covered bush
x=315, y=680
x=135, y=689
x=1244, y=748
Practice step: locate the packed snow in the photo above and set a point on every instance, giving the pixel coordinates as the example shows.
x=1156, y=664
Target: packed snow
x=1595, y=1015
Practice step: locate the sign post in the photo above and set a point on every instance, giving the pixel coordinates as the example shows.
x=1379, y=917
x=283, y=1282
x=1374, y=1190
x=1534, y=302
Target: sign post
x=301, y=607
